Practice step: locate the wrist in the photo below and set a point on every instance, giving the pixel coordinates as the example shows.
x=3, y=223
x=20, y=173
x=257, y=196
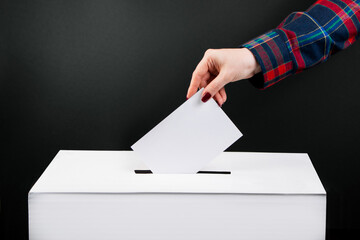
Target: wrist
x=254, y=66
x=257, y=67
x=251, y=64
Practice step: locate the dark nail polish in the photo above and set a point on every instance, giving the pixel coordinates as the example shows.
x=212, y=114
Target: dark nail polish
x=206, y=97
x=187, y=98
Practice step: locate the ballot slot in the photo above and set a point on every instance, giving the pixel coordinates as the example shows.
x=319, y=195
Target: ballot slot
x=199, y=172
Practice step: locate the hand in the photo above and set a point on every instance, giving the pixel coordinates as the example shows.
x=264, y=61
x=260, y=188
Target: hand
x=220, y=67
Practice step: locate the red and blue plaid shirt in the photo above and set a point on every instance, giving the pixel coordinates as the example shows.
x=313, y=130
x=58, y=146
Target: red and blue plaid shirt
x=305, y=39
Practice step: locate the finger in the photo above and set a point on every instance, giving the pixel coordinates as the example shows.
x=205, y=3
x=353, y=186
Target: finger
x=203, y=84
x=218, y=98
x=201, y=73
x=223, y=95
x=206, y=82
x=213, y=87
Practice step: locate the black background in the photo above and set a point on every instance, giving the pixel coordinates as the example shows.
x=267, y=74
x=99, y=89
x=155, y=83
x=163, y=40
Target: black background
x=100, y=74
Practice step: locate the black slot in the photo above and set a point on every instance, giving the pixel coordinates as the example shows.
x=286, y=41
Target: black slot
x=199, y=172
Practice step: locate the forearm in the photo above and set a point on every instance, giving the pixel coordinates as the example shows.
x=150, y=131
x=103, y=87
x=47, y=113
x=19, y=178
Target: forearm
x=305, y=39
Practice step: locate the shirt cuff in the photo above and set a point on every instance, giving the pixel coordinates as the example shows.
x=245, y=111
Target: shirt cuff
x=271, y=52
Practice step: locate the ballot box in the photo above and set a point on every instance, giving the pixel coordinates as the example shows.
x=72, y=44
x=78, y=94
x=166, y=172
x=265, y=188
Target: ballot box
x=111, y=195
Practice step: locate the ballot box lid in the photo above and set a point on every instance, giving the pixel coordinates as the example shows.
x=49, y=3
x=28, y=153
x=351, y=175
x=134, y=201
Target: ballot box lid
x=113, y=172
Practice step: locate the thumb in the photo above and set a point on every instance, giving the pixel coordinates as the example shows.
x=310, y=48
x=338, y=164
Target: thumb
x=213, y=87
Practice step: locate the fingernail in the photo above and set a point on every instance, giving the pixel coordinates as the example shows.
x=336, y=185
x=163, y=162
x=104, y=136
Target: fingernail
x=187, y=98
x=206, y=97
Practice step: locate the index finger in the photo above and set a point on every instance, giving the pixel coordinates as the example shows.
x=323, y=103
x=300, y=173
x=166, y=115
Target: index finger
x=200, y=73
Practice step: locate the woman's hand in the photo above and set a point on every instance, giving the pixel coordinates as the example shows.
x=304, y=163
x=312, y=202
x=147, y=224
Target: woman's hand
x=220, y=67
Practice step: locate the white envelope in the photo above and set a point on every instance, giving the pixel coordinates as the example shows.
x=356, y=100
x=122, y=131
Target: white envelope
x=187, y=139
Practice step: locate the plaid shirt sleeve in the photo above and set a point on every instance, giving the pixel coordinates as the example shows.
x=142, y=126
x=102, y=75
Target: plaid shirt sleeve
x=305, y=39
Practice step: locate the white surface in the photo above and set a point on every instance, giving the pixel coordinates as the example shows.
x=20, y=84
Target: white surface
x=113, y=172
x=96, y=195
x=176, y=217
x=186, y=140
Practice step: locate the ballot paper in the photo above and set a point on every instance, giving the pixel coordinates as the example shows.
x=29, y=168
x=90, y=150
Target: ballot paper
x=189, y=138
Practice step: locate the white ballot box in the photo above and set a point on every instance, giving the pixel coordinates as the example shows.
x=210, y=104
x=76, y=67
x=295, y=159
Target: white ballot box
x=96, y=195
